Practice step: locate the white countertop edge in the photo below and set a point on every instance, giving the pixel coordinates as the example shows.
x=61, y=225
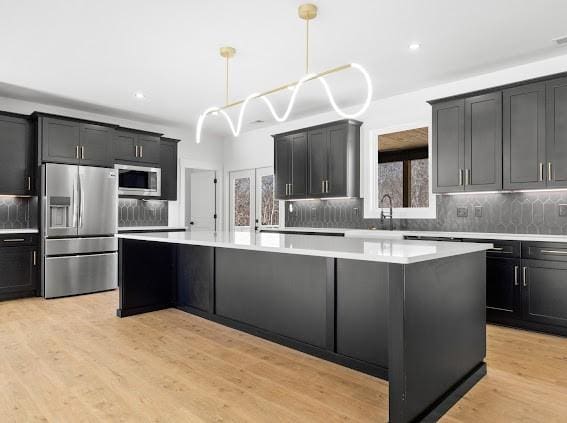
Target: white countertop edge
x=362, y=233
x=18, y=231
x=464, y=248
x=151, y=228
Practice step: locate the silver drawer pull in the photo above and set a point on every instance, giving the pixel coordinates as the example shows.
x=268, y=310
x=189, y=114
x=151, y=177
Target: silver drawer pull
x=557, y=252
x=525, y=275
x=14, y=240
x=496, y=249
x=516, y=275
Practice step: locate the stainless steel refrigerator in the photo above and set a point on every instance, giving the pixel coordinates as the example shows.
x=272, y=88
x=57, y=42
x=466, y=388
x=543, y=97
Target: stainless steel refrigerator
x=79, y=222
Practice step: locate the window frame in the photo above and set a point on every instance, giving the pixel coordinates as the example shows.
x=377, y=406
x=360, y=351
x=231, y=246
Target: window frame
x=369, y=175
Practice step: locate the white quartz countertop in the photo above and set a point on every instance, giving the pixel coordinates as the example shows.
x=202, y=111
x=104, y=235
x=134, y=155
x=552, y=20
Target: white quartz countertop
x=378, y=250
x=151, y=228
x=18, y=231
x=367, y=233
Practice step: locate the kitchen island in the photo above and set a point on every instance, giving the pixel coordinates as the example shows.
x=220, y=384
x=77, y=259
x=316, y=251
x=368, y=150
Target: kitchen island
x=410, y=312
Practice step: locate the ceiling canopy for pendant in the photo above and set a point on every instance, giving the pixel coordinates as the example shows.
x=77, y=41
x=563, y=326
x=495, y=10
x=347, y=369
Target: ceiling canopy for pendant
x=306, y=12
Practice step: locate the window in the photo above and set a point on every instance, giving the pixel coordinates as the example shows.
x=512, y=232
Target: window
x=399, y=165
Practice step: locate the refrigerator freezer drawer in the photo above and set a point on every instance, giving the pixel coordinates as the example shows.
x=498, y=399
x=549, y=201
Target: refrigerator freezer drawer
x=80, y=245
x=73, y=275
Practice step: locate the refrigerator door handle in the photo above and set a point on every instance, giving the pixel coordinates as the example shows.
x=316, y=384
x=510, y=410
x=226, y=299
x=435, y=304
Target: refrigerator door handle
x=81, y=201
x=75, y=200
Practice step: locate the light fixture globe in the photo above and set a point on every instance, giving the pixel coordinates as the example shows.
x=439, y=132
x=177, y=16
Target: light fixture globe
x=307, y=11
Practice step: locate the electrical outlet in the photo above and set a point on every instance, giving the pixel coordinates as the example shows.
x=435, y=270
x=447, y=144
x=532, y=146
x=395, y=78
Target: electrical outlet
x=477, y=211
x=462, y=212
x=563, y=210
x=313, y=213
x=356, y=211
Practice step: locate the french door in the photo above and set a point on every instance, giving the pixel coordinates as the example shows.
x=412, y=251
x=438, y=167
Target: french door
x=252, y=200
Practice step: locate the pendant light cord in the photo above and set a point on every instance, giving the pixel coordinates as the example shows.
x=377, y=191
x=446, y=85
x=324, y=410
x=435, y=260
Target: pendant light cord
x=307, y=47
x=226, y=87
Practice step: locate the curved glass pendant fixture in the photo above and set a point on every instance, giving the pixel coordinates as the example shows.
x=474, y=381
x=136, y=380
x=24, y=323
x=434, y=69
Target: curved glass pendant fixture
x=306, y=12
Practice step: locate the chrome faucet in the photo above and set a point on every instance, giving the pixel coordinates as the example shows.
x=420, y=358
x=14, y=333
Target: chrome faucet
x=383, y=215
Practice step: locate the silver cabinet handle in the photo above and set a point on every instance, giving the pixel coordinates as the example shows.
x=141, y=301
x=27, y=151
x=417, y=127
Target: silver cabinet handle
x=286, y=189
x=460, y=177
x=322, y=186
x=14, y=240
x=549, y=171
x=327, y=186
x=29, y=183
x=467, y=176
x=141, y=151
x=35, y=258
x=525, y=275
x=516, y=275
x=76, y=151
x=541, y=171
x=82, y=151
x=557, y=252
x=291, y=189
x=136, y=151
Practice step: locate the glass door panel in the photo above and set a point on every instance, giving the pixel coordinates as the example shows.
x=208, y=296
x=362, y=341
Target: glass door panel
x=242, y=200
x=267, y=207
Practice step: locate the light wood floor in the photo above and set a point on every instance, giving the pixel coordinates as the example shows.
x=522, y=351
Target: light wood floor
x=72, y=360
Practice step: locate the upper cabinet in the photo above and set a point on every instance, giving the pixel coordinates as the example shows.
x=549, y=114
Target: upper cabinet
x=511, y=138
x=467, y=144
x=140, y=147
x=168, y=164
x=74, y=142
x=556, y=132
x=318, y=162
x=524, y=137
x=16, y=155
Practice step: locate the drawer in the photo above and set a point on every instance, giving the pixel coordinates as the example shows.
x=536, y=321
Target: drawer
x=544, y=251
x=504, y=249
x=18, y=240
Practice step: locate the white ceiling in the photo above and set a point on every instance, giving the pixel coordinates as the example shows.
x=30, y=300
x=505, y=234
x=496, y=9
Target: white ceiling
x=93, y=55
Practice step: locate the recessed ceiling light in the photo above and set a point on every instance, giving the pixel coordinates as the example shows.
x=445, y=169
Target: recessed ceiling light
x=139, y=95
x=414, y=46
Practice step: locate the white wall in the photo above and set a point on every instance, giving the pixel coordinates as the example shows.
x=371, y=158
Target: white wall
x=255, y=148
x=207, y=153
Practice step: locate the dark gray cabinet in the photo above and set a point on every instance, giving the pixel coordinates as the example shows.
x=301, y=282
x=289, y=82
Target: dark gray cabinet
x=545, y=292
x=556, y=133
x=74, y=142
x=18, y=266
x=16, y=156
x=290, y=165
x=503, y=293
x=524, y=156
x=168, y=164
x=329, y=164
x=362, y=311
x=195, y=277
x=132, y=146
x=483, y=142
x=467, y=144
x=448, y=146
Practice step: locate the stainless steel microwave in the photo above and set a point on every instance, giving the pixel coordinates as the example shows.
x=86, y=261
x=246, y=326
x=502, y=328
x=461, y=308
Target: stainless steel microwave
x=139, y=180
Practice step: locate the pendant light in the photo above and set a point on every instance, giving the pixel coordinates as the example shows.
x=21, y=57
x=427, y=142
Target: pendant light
x=306, y=12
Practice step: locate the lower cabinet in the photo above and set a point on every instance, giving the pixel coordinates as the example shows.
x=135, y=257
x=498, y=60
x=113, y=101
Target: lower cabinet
x=18, y=270
x=503, y=294
x=362, y=311
x=195, y=277
x=545, y=292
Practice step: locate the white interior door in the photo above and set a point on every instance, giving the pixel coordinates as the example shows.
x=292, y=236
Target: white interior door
x=267, y=208
x=242, y=200
x=202, y=204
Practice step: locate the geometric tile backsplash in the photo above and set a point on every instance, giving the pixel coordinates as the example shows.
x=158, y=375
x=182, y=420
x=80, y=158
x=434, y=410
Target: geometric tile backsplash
x=133, y=212
x=537, y=212
x=18, y=212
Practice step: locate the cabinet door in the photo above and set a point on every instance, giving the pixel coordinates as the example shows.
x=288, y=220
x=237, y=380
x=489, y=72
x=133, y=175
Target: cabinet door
x=317, y=142
x=503, y=296
x=16, y=153
x=556, y=132
x=483, y=142
x=148, y=149
x=362, y=311
x=282, y=166
x=17, y=270
x=545, y=292
x=195, y=282
x=96, y=145
x=60, y=140
x=448, y=146
x=125, y=146
x=524, y=137
x=168, y=164
x=298, y=165
x=337, y=161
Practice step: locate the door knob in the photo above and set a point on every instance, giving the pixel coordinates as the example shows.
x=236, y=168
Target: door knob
x=191, y=223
